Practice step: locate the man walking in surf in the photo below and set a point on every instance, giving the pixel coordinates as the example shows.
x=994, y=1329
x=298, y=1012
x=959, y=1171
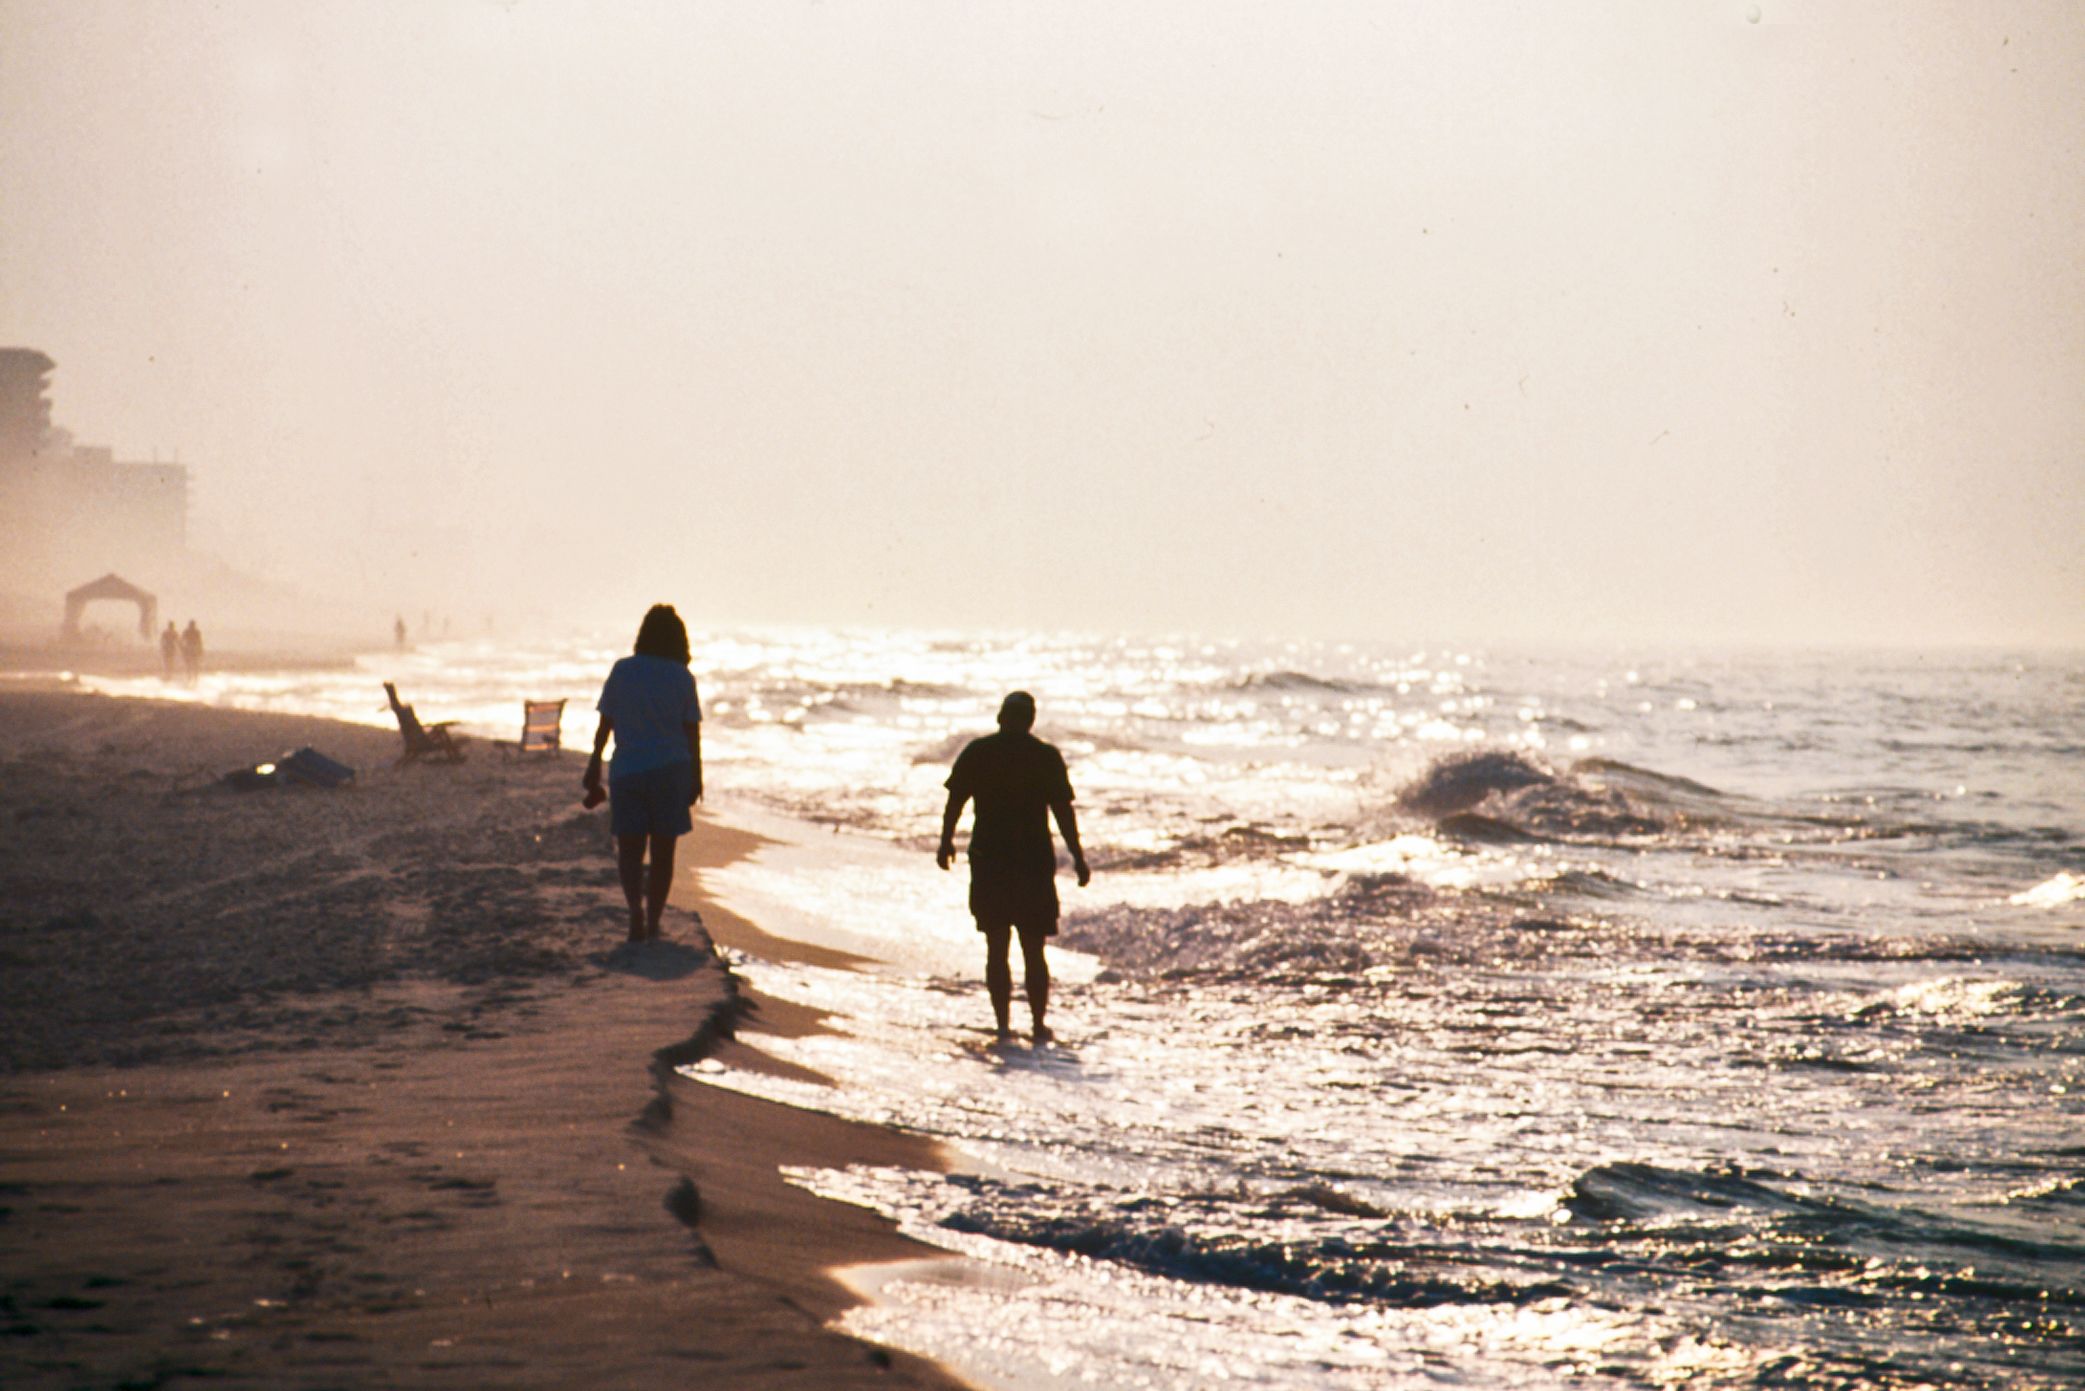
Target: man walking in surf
x=1018, y=783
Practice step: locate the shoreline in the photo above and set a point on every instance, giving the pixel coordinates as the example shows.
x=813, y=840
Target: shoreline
x=55, y=662
x=360, y=1087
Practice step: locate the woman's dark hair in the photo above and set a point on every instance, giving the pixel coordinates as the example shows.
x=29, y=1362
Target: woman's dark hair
x=662, y=634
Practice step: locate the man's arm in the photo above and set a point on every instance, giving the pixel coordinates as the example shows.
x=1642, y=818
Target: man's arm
x=1068, y=827
x=950, y=815
x=695, y=756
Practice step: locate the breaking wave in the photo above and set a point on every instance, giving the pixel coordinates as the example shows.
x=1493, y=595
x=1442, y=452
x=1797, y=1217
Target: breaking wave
x=1338, y=1269
x=1460, y=782
x=1298, y=681
x=1499, y=796
x=1617, y=1225
x=1695, y=1215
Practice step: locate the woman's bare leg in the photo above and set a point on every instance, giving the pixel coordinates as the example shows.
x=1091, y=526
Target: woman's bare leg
x=629, y=864
x=659, y=884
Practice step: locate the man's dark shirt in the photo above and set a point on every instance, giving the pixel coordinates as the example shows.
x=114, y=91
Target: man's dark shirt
x=1014, y=780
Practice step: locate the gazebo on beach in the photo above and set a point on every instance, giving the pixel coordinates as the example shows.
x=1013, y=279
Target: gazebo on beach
x=111, y=586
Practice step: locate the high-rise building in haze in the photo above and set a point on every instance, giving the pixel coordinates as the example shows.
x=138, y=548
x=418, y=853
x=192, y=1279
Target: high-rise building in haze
x=70, y=512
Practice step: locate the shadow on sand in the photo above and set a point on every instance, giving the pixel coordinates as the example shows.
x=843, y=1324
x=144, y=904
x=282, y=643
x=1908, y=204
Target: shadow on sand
x=656, y=960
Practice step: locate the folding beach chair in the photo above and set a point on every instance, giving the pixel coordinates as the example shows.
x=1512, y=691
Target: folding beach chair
x=423, y=740
x=542, y=725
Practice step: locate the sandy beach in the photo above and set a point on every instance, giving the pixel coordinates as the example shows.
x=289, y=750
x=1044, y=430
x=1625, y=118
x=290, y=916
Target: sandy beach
x=360, y=1087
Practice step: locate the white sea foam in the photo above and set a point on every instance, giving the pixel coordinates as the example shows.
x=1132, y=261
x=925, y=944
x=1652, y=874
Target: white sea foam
x=2054, y=892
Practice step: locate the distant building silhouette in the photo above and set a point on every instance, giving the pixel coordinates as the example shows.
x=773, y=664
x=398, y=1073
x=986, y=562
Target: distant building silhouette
x=25, y=416
x=72, y=510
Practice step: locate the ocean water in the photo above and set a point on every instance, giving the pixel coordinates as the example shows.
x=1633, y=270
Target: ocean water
x=1434, y=1016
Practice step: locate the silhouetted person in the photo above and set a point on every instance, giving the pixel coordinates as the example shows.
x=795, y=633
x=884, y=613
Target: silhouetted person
x=1018, y=783
x=192, y=650
x=169, y=649
x=650, y=705
x=398, y=633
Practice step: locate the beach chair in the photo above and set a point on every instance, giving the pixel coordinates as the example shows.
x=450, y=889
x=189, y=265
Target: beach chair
x=423, y=740
x=542, y=726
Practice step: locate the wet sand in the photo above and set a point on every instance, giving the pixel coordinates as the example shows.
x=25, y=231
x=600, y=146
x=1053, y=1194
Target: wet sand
x=307, y=1088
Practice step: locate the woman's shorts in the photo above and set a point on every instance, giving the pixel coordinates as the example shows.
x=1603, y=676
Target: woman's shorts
x=652, y=803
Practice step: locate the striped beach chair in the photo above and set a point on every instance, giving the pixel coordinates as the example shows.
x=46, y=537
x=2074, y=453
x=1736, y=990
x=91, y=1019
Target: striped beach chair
x=542, y=726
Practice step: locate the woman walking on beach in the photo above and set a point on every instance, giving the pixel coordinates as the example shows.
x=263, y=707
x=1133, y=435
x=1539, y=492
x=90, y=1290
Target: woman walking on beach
x=650, y=705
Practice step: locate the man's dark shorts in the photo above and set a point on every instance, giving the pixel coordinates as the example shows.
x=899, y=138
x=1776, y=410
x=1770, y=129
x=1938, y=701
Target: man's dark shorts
x=1026, y=901
x=652, y=803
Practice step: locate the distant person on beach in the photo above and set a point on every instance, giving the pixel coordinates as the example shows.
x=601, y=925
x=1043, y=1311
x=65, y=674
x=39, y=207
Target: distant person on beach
x=650, y=705
x=169, y=649
x=1018, y=783
x=192, y=650
x=398, y=633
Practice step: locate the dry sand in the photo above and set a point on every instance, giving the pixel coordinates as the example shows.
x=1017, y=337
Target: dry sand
x=307, y=1088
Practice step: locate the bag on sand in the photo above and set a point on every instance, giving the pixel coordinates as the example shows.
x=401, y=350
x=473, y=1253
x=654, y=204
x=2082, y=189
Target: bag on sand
x=305, y=767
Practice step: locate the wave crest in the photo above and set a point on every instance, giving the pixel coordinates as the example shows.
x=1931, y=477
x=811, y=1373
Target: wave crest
x=1501, y=796
x=1459, y=782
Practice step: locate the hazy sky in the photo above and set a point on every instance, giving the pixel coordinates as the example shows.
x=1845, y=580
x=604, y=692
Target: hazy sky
x=1647, y=320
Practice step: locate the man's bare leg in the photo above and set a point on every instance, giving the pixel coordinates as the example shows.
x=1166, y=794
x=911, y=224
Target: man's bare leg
x=658, y=884
x=999, y=978
x=1037, y=982
x=629, y=864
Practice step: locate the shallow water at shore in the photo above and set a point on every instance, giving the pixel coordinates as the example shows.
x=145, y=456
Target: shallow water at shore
x=1618, y=1154
x=1437, y=1015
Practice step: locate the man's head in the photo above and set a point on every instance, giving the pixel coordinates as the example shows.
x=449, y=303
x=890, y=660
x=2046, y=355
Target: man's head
x=1017, y=713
